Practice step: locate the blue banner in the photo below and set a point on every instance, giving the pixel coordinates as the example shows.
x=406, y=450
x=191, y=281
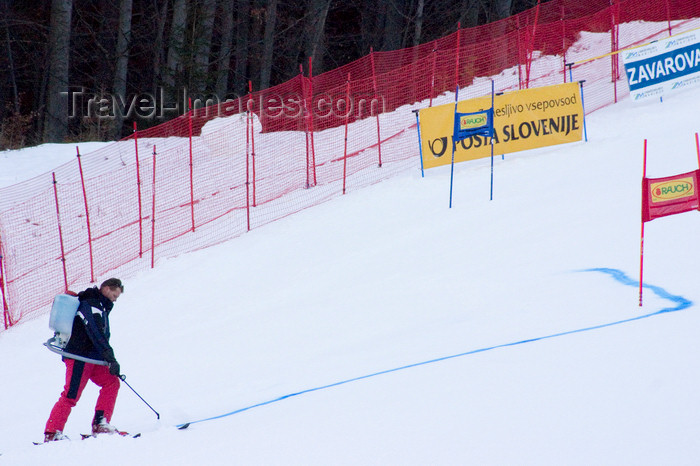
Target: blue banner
x=663, y=66
x=472, y=124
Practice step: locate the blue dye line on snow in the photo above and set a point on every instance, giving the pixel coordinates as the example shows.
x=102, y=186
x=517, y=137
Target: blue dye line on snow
x=679, y=302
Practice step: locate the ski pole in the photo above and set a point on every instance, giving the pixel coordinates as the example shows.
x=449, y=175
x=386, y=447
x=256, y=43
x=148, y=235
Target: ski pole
x=123, y=379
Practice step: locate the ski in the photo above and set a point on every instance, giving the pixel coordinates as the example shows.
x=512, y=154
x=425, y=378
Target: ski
x=123, y=434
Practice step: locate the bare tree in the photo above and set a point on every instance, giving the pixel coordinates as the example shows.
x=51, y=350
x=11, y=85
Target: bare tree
x=56, y=124
x=224, y=60
x=268, y=43
x=419, y=22
x=501, y=8
x=393, y=24
x=242, y=40
x=469, y=16
x=201, y=48
x=158, y=41
x=178, y=29
x=317, y=12
x=123, y=42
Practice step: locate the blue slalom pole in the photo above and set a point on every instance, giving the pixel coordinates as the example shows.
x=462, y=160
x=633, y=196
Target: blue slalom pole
x=491, y=198
x=583, y=107
x=492, y=98
x=452, y=167
x=420, y=144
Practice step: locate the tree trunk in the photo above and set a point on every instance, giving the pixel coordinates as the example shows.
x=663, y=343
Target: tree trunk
x=56, y=125
x=202, y=46
x=470, y=13
x=178, y=29
x=268, y=44
x=317, y=13
x=501, y=8
x=158, y=48
x=392, y=25
x=419, y=22
x=224, y=61
x=123, y=43
x=240, y=78
x=368, y=26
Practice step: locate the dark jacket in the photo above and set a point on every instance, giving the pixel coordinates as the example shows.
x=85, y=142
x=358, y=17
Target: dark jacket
x=90, y=335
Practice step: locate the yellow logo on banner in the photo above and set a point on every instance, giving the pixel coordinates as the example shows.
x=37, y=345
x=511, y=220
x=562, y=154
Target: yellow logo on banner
x=472, y=121
x=523, y=120
x=673, y=189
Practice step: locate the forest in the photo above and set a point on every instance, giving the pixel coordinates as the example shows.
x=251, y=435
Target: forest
x=67, y=62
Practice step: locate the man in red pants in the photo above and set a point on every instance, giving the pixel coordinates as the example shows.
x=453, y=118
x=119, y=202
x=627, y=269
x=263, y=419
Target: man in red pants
x=89, y=339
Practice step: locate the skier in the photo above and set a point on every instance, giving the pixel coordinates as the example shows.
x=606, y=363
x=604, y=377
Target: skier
x=90, y=339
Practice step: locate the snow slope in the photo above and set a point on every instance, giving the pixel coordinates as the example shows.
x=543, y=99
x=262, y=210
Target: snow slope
x=384, y=328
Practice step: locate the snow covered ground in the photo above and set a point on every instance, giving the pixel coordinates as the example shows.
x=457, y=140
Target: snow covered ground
x=384, y=328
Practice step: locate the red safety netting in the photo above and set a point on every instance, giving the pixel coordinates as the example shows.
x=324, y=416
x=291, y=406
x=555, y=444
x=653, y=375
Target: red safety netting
x=217, y=172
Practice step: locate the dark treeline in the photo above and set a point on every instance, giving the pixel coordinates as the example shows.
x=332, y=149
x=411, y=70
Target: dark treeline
x=59, y=54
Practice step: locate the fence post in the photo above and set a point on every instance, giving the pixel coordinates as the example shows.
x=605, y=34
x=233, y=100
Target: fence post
x=459, y=28
x=531, y=47
x=252, y=138
x=138, y=189
x=306, y=121
x=432, y=80
x=60, y=233
x=374, y=84
x=668, y=17
x=614, y=46
x=247, y=166
x=153, y=213
x=311, y=118
x=189, y=124
x=347, y=121
x=87, y=216
x=563, y=42
x=520, y=53
x=3, y=291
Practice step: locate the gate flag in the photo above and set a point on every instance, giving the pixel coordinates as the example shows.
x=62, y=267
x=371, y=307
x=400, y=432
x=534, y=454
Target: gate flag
x=473, y=124
x=670, y=195
x=667, y=196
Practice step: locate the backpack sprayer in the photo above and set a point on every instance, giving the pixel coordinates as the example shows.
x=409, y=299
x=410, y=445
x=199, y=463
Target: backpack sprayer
x=63, y=311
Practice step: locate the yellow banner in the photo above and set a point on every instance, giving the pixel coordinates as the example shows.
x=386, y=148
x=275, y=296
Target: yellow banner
x=523, y=120
x=672, y=189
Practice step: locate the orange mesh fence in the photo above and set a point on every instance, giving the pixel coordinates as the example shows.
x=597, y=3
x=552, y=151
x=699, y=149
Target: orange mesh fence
x=220, y=171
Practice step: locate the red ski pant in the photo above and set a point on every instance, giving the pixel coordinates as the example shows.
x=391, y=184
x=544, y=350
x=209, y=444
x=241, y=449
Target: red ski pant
x=77, y=375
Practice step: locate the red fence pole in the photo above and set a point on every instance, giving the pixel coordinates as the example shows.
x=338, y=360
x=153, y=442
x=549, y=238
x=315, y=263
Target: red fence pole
x=459, y=28
x=138, y=189
x=697, y=148
x=252, y=140
x=311, y=118
x=531, y=47
x=432, y=79
x=668, y=17
x=641, y=245
x=3, y=291
x=614, y=45
x=563, y=42
x=247, y=166
x=374, y=84
x=306, y=121
x=189, y=122
x=60, y=233
x=520, y=53
x=347, y=121
x=153, y=213
x=87, y=216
